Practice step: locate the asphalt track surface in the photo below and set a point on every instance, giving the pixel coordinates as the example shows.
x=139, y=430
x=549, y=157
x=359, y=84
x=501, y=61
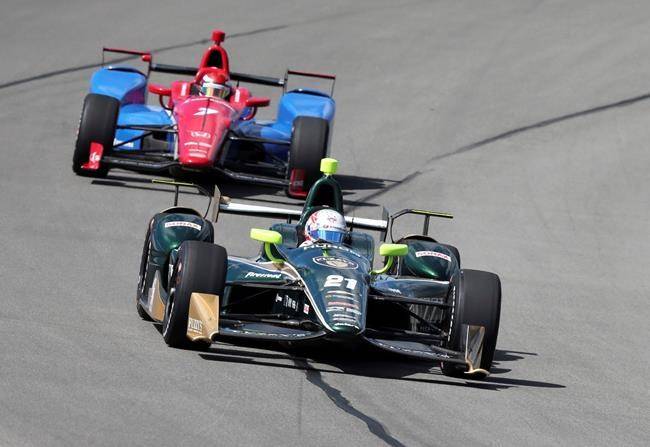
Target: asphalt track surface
x=529, y=120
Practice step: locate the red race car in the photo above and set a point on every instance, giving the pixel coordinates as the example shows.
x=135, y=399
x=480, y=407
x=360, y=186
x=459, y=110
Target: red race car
x=205, y=125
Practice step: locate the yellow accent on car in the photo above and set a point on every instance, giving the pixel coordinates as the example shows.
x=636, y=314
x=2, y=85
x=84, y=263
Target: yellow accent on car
x=329, y=166
x=266, y=236
x=393, y=250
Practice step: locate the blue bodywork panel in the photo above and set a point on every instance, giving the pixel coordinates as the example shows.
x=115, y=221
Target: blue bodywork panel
x=139, y=114
x=292, y=105
x=129, y=86
x=126, y=84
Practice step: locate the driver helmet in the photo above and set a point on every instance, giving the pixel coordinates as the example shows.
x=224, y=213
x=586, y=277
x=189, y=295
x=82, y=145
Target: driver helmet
x=215, y=85
x=326, y=224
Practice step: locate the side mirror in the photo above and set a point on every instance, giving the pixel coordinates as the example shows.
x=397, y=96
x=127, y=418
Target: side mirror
x=161, y=90
x=257, y=101
x=393, y=249
x=390, y=251
x=268, y=237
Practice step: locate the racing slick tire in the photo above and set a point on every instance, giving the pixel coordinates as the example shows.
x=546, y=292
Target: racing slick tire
x=478, y=302
x=144, y=264
x=97, y=124
x=201, y=267
x=309, y=142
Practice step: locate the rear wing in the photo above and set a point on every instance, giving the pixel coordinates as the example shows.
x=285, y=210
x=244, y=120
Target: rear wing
x=229, y=207
x=147, y=57
x=223, y=204
x=246, y=77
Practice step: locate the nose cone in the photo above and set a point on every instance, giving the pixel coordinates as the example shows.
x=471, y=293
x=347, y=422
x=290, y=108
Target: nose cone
x=345, y=329
x=344, y=316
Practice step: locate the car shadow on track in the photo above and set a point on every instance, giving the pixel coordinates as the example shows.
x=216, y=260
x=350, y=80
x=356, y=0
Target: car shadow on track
x=365, y=363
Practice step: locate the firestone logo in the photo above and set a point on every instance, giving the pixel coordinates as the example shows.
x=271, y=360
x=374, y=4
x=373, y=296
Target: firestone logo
x=200, y=134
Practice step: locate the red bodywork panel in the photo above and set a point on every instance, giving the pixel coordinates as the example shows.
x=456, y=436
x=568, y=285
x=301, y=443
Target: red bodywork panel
x=203, y=122
x=94, y=157
x=202, y=125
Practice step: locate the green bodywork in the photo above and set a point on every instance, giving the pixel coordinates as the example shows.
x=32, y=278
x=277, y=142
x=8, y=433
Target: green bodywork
x=324, y=283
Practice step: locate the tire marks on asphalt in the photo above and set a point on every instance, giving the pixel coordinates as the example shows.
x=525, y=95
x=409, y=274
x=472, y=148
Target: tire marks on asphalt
x=62, y=71
x=502, y=136
x=375, y=427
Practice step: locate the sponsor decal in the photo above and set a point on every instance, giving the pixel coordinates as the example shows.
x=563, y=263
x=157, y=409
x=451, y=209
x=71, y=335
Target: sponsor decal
x=339, y=323
x=206, y=111
x=334, y=262
x=335, y=309
x=288, y=302
x=342, y=309
x=197, y=143
x=129, y=144
x=343, y=304
x=305, y=309
x=200, y=134
x=338, y=297
x=194, y=325
x=344, y=318
x=180, y=223
x=263, y=275
x=340, y=292
x=435, y=254
x=395, y=291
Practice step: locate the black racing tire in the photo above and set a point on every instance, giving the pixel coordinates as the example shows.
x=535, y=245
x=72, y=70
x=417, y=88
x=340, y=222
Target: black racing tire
x=454, y=250
x=144, y=263
x=97, y=123
x=309, y=143
x=478, y=302
x=201, y=267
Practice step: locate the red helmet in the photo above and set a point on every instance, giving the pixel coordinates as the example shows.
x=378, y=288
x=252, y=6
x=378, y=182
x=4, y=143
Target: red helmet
x=214, y=84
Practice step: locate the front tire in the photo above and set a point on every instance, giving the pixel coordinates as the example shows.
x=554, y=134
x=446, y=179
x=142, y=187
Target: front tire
x=201, y=267
x=97, y=124
x=477, y=302
x=144, y=267
x=309, y=142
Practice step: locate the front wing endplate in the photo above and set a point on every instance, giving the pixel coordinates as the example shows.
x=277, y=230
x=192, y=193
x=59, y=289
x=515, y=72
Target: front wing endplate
x=472, y=345
x=203, y=317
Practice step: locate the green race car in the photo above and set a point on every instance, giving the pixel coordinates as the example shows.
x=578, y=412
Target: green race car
x=419, y=303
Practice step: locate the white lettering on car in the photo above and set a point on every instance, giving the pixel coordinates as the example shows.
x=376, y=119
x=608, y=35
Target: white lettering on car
x=263, y=275
x=194, y=325
x=180, y=223
x=206, y=111
x=435, y=254
x=337, y=281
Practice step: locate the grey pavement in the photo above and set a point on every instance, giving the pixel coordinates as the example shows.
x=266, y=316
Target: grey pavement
x=529, y=120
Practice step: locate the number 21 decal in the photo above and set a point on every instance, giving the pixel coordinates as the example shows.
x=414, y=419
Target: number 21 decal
x=337, y=281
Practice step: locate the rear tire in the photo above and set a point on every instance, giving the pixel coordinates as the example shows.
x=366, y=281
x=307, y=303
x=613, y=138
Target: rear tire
x=97, y=124
x=201, y=267
x=309, y=142
x=478, y=302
